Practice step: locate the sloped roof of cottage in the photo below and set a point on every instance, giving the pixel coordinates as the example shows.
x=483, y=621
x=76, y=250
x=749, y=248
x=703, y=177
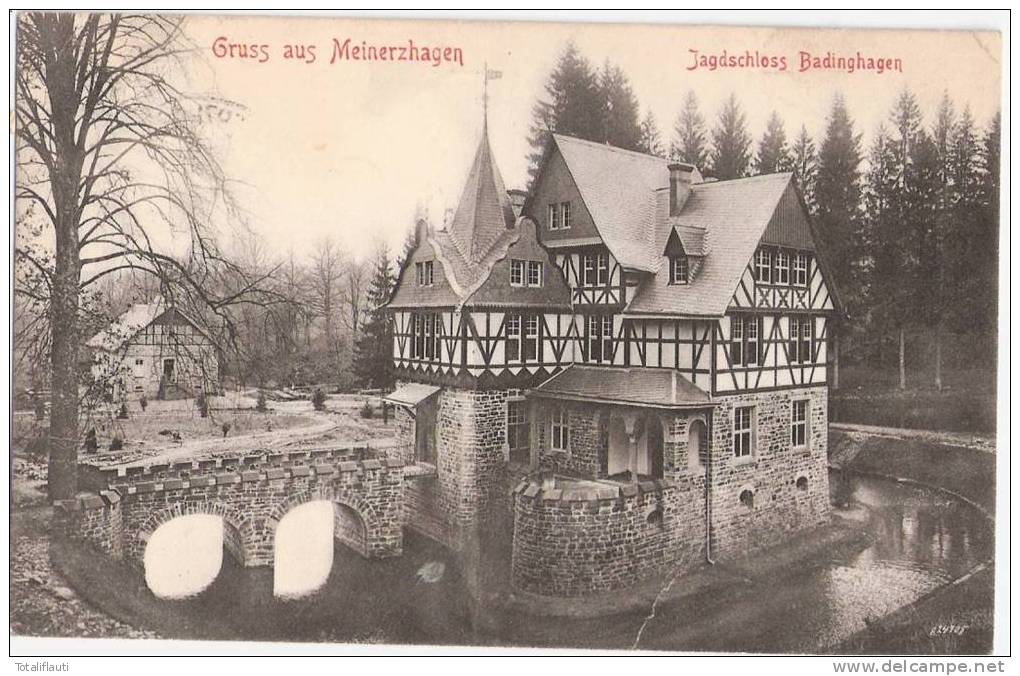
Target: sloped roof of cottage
x=663, y=388
x=133, y=320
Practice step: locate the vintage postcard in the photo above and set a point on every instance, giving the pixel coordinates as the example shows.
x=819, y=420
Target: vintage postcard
x=511, y=334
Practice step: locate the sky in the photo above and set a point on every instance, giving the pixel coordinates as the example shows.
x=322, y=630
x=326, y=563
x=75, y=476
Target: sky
x=352, y=149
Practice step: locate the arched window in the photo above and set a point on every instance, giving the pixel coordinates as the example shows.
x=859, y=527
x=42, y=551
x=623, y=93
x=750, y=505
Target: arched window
x=802, y=483
x=747, y=498
x=697, y=444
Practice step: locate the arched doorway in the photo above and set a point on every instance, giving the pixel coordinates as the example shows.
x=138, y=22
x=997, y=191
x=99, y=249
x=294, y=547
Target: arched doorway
x=619, y=446
x=697, y=444
x=303, y=549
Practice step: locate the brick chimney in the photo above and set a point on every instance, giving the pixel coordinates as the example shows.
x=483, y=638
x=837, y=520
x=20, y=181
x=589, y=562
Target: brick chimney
x=517, y=198
x=680, y=179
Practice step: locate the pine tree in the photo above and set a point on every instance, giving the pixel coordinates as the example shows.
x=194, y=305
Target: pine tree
x=731, y=143
x=373, y=358
x=689, y=142
x=651, y=140
x=573, y=106
x=837, y=195
x=773, y=152
x=985, y=238
x=621, y=127
x=804, y=164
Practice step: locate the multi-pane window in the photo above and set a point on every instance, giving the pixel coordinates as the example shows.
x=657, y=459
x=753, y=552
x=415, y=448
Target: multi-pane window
x=782, y=267
x=437, y=335
x=559, y=431
x=517, y=430
x=516, y=272
x=531, y=337
x=800, y=268
x=426, y=335
x=799, y=423
x=745, y=344
x=737, y=340
x=418, y=331
x=678, y=270
x=554, y=217
x=743, y=431
x=751, y=352
x=602, y=269
x=800, y=343
x=596, y=269
x=588, y=278
x=600, y=338
x=513, y=338
x=559, y=216
x=534, y=273
x=763, y=266
x=423, y=272
x=429, y=337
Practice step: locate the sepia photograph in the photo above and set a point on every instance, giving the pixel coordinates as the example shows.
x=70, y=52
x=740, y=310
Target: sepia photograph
x=445, y=333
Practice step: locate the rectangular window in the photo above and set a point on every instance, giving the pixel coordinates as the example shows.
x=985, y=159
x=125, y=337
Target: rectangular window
x=799, y=423
x=516, y=272
x=534, y=273
x=678, y=269
x=554, y=217
x=751, y=352
x=531, y=338
x=763, y=266
x=743, y=431
x=517, y=431
x=794, y=342
x=564, y=215
x=418, y=329
x=737, y=340
x=437, y=334
x=607, y=337
x=429, y=341
x=589, y=270
x=782, y=267
x=428, y=273
x=419, y=273
x=513, y=338
x=559, y=431
x=806, y=340
x=139, y=362
x=800, y=266
x=594, y=338
x=602, y=264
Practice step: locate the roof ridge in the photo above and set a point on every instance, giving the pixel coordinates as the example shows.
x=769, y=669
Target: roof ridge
x=612, y=148
x=730, y=181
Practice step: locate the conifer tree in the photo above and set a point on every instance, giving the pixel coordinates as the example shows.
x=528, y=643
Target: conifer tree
x=804, y=164
x=773, y=152
x=373, y=356
x=690, y=138
x=651, y=141
x=731, y=143
x=621, y=127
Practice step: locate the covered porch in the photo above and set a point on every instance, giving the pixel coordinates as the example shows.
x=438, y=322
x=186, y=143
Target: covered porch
x=619, y=424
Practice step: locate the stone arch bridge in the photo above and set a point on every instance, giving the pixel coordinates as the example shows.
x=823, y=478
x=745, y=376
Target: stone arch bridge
x=251, y=495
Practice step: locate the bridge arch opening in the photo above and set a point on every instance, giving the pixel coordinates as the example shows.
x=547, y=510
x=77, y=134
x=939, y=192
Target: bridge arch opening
x=304, y=539
x=184, y=555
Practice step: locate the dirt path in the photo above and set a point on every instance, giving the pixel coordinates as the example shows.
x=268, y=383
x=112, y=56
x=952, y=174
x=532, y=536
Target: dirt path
x=977, y=442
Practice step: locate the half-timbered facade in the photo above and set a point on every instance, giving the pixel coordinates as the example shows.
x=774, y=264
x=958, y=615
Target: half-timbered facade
x=631, y=325
x=154, y=350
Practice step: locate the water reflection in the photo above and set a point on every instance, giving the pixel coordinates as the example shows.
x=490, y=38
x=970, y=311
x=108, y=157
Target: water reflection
x=303, y=555
x=184, y=556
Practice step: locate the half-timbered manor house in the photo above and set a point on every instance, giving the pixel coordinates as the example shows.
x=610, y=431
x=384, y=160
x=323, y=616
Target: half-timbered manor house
x=634, y=355
x=154, y=349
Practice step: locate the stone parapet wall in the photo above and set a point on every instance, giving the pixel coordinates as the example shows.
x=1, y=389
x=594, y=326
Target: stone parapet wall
x=578, y=541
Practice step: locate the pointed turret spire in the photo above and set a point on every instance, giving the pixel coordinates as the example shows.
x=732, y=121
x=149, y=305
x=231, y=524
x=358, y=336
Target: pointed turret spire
x=484, y=211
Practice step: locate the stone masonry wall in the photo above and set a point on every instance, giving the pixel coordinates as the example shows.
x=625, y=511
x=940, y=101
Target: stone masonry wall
x=780, y=507
x=572, y=542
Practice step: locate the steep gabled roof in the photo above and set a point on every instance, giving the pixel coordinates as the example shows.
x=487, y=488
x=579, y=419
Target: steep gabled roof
x=136, y=318
x=734, y=215
x=619, y=188
x=484, y=212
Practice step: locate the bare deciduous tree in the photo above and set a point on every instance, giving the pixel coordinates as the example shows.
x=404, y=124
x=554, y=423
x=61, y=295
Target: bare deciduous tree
x=106, y=149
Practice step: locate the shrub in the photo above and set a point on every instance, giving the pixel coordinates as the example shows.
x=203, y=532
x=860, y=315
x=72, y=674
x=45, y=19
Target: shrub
x=122, y=414
x=226, y=428
x=143, y=402
x=202, y=402
x=319, y=399
x=260, y=402
x=367, y=410
x=91, y=444
x=116, y=444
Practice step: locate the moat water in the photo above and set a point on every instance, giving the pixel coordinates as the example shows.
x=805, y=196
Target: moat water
x=322, y=591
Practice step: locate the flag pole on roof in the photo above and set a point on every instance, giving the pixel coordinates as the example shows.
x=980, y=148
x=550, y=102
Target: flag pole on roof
x=489, y=75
